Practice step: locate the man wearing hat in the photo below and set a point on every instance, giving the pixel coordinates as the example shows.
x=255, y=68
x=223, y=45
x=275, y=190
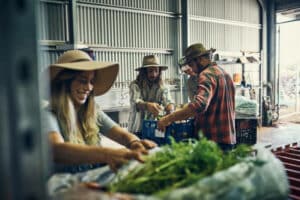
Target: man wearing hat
x=148, y=95
x=213, y=106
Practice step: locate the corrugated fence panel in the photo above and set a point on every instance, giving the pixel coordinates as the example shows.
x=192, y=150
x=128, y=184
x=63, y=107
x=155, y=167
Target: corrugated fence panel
x=48, y=57
x=250, y=11
x=105, y=27
x=210, y=34
x=236, y=10
x=227, y=25
x=233, y=36
x=250, y=38
x=233, y=9
x=53, y=21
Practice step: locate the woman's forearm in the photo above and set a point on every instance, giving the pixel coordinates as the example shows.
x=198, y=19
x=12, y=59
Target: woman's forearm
x=68, y=153
x=121, y=135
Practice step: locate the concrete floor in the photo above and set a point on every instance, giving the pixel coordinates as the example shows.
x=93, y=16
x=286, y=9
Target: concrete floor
x=284, y=131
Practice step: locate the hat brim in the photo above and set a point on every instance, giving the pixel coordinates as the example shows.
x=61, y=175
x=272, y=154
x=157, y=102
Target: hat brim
x=163, y=67
x=186, y=59
x=106, y=73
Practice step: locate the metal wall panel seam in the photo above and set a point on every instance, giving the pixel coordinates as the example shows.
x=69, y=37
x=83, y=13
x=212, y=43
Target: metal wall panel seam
x=132, y=10
x=88, y=26
x=224, y=21
x=137, y=50
x=109, y=29
x=121, y=29
x=146, y=32
x=55, y=34
x=84, y=28
x=54, y=2
x=141, y=32
x=118, y=28
x=66, y=13
x=59, y=24
x=97, y=26
x=63, y=23
x=94, y=26
x=127, y=28
x=134, y=30
x=79, y=25
x=112, y=25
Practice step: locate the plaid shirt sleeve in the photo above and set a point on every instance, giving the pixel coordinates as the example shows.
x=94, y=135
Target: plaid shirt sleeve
x=206, y=90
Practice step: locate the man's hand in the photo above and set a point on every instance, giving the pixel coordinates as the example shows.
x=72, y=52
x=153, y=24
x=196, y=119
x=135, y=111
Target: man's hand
x=163, y=123
x=153, y=108
x=170, y=109
x=115, y=158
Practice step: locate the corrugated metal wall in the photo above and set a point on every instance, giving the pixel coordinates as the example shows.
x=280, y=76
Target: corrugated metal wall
x=53, y=21
x=230, y=26
x=124, y=31
x=120, y=31
x=227, y=25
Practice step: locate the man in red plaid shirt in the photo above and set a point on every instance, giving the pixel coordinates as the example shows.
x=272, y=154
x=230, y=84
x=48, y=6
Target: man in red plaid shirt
x=213, y=106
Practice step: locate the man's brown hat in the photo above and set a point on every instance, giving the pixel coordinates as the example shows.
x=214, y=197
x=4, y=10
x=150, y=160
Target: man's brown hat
x=151, y=61
x=194, y=51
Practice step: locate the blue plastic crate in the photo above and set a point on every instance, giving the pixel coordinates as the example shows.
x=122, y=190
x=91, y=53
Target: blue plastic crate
x=179, y=131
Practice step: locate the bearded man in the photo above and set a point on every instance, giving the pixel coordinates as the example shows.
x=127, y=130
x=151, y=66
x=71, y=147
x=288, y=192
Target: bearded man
x=149, y=97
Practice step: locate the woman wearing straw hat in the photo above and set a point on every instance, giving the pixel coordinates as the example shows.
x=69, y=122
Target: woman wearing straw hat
x=213, y=106
x=148, y=94
x=74, y=120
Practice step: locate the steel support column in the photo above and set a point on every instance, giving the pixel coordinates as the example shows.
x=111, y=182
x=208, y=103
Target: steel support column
x=185, y=24
x=271, y=47
x=23, y=159
x=72, y=22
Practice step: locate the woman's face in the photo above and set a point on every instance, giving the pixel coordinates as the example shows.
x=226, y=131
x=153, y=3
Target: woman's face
x=81, y=87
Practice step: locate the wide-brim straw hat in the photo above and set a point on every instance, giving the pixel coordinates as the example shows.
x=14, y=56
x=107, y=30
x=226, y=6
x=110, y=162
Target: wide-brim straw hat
x=151, y=61
x=105, y=72
x=194, y=51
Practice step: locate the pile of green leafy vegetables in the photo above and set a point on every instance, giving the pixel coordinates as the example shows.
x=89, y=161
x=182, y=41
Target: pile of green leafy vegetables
x=178, y=165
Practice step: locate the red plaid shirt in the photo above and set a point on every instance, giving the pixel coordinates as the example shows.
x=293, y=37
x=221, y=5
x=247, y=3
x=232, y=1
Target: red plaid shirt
x=215, y=105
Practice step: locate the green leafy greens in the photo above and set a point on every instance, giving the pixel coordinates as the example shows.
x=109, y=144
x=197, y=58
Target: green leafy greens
x=178, y=165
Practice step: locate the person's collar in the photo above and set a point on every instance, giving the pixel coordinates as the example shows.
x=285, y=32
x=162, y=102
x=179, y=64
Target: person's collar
x=203, y=68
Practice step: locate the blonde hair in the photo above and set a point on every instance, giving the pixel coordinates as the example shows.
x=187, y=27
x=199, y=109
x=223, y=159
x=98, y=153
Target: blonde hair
x=79, y=127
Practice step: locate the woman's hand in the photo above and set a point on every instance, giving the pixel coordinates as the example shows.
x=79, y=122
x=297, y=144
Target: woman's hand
x=142, y=145
x=115, y=158
x=153, y=108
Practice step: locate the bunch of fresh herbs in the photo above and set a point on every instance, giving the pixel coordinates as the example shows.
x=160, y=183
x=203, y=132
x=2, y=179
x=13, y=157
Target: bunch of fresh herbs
x=178, y=165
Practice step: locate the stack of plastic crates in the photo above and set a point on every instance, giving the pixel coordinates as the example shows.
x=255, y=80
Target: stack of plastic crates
x=178, y=130
x=246, y=131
